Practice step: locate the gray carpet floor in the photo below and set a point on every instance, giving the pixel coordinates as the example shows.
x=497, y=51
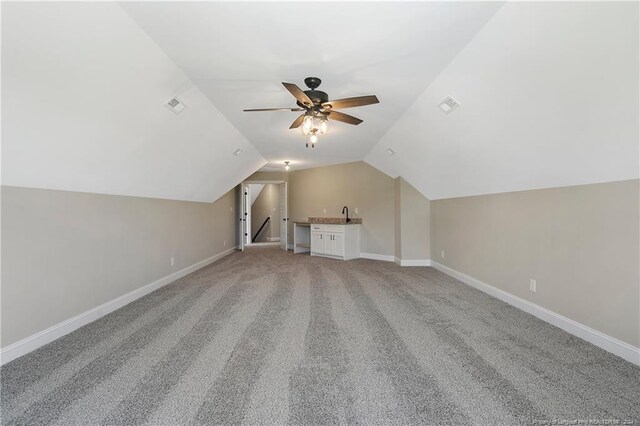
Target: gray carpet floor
x=268, y=337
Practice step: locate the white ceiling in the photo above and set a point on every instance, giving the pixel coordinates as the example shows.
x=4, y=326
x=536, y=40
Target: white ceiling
x=239, y=53
x=549, y=93
x=83, y=89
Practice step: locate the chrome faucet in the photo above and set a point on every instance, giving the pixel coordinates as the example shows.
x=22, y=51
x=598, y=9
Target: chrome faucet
x=347, y=209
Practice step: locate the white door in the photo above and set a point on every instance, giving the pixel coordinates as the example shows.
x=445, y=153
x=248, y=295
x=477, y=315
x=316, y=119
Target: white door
x=245, y=208
x=240, y=215
x=317, y=243
x=284, y=219
x=247, y=214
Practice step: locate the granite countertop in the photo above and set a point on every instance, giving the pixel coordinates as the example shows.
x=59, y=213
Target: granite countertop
x=334, y=221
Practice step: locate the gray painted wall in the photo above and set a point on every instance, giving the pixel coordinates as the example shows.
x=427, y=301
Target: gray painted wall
x=67, y=252
x=64, y=253
x=352, y=184
x=581, y=245
x=412, y=222
x=395, y=215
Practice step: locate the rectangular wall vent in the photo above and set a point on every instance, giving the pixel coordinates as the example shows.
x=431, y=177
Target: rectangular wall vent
x=175, y=105
x=448, y=105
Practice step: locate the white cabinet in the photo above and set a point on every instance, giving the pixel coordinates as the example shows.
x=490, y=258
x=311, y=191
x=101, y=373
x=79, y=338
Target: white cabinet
x=329, y=244
x=336, y=241
x=338, y=244
x=317, y=243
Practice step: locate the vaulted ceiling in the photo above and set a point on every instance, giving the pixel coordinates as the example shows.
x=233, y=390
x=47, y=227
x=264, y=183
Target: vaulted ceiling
x=83, y=94
x=548, y=93
x=239, y=53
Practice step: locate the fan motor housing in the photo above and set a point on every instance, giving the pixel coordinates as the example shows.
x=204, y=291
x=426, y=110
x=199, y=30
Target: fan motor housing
x=317, y=96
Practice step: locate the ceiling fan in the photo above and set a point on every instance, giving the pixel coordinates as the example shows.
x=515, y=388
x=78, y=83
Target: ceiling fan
x=318, y=109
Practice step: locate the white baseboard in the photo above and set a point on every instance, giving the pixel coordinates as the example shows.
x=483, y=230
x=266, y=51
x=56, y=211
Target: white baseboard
x=264, y=244
x=401, y=262
x=385, y=257
x=52, y=333
x=608, y=343
x=413, y=262
x=273, y=239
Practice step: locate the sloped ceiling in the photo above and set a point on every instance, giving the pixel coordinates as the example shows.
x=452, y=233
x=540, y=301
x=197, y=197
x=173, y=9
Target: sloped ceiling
x=83, y=89
x=549, y=93
x=238, y=53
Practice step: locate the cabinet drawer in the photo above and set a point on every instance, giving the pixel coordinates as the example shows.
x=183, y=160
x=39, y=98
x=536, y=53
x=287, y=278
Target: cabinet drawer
x=334, y=228
x=317, y=228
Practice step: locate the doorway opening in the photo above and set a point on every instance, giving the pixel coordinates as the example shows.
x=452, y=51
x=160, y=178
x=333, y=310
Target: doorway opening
x=264, y=219
x=263, y=213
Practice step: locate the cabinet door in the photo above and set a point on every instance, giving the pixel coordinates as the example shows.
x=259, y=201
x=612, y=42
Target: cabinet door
x=317, y=242
x=338, y=244
x=327, y=243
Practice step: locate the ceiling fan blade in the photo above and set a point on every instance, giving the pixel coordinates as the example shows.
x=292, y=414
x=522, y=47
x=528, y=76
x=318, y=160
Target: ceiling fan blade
x=298, y=94
x=351, y=102
x=273, y=109
x=298, y=122
x=345, y=118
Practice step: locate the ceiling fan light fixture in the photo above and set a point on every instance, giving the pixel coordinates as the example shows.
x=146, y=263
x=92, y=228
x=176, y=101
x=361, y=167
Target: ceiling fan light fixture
x=318, y=109
x=307, y=123
x=316, y=122
x=324, y=125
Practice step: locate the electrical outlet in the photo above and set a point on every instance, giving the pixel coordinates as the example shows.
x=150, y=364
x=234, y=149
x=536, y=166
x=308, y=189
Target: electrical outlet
x=231, y=209
x=356, y=210
x=532, y=285
x=442, y=254
x=224, y=243
x=173, y=260
x=324, y=211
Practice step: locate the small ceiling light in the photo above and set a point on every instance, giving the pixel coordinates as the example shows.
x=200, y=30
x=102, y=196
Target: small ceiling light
x=237, y=152
x=286, y=166
x=390, y=151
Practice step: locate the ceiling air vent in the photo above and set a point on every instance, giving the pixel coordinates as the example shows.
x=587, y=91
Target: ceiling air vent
x=175, y=105
x=448, y=105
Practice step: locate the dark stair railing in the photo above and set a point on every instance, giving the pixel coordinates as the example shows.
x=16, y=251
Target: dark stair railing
x=253, y=240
